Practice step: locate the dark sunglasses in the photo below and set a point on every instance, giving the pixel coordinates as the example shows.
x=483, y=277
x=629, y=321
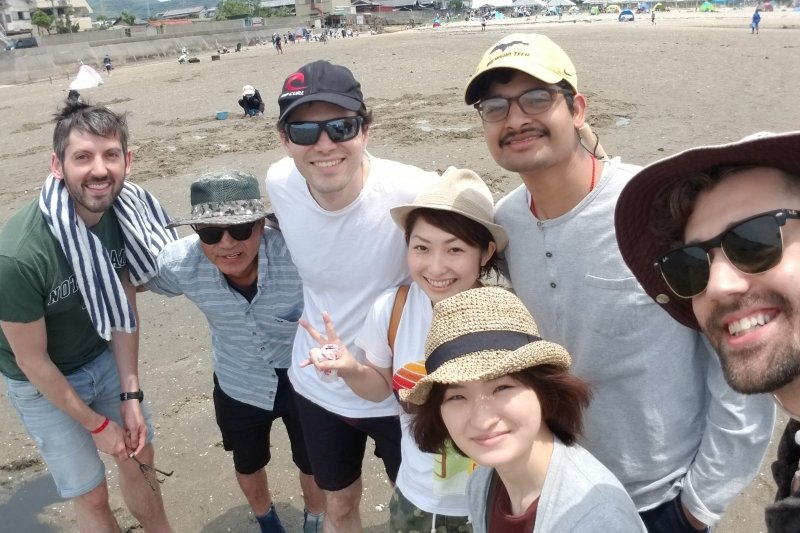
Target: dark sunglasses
x=338, y=129
x=532, y=102
x=213, y=234
x=753, y=245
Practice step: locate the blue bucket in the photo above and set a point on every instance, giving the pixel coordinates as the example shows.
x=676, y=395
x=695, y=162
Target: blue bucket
x=222, y=115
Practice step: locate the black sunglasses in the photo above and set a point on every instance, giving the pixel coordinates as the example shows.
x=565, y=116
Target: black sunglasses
x=339, y=130
x=753, y=245
x=213, y=234
x=532, y=102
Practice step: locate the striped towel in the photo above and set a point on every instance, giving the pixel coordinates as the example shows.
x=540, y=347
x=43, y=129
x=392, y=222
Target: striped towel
x=142, y=220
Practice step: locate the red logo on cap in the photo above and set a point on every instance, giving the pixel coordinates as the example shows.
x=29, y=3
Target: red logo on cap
x=295, y=82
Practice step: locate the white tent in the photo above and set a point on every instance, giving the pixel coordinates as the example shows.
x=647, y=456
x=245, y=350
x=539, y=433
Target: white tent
x=539, y=3
x=556, y=3
x=87, y=77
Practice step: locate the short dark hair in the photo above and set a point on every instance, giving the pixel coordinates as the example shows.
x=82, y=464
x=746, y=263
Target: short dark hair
x=672, y=206
x=94, y=119
x=504, y=75
x=562, y=395
x=471, y=232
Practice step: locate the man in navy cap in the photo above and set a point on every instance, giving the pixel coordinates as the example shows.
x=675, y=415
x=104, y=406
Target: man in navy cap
x=333, y=199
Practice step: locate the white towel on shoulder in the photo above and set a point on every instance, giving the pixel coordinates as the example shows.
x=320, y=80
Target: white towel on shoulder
x=142, y=220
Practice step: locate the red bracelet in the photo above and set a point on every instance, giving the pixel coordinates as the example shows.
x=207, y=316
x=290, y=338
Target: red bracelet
x=100, y=428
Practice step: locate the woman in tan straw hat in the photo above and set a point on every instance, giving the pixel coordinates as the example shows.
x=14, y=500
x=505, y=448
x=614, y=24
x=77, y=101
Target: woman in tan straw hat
x=452, y=243
x=503, y=396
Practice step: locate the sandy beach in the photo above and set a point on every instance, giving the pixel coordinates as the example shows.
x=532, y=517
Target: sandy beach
x=652, y=90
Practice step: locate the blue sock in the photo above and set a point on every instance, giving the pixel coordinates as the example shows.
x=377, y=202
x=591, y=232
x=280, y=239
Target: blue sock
x=270, y=523
x=312, y=523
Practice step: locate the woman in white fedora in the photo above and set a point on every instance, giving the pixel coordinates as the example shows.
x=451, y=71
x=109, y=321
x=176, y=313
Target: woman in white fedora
x=452, y=244
x=504, y=397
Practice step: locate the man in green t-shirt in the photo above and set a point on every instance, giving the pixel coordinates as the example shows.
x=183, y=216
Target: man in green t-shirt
x=68, y=337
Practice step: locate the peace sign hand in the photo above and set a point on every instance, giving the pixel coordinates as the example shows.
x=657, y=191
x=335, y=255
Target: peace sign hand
x=332, y=359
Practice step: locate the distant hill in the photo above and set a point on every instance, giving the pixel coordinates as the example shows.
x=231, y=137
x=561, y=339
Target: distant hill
x=112, y=8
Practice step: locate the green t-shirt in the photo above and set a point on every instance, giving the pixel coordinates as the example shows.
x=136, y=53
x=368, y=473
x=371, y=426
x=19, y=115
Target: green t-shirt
x=37, y=281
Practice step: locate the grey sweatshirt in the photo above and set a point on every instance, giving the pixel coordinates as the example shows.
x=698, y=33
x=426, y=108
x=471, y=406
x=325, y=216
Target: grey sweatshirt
x=579, y=495
x=662, y=418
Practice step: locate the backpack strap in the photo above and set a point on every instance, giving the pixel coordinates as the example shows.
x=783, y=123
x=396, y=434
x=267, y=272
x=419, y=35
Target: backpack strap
x=397, y=312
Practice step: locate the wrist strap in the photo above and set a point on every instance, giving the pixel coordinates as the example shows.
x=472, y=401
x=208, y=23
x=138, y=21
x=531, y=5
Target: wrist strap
x=125, y=396
x=100, y=428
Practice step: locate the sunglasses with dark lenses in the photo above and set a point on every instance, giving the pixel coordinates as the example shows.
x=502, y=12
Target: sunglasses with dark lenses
x=338, y=129
x=532, y=102
x=753, y=245
x=213, y=234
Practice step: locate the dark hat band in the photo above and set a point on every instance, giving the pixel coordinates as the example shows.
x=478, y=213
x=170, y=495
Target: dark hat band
x=477, y=341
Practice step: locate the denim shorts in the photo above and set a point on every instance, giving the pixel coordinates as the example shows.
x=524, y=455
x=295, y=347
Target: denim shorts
x=669, y=518
x=67, y=447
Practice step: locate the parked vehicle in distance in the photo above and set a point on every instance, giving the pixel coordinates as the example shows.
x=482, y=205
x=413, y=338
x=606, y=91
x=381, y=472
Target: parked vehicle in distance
x=23, y=42
x=626, y=15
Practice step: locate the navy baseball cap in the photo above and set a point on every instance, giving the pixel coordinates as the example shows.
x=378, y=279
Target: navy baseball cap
x=320, y=81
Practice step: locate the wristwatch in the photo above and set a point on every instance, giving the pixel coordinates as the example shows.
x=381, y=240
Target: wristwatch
x=138, y=395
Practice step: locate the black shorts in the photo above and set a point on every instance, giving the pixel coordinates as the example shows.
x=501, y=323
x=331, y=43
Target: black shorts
x=337, y=444
x=246, y=428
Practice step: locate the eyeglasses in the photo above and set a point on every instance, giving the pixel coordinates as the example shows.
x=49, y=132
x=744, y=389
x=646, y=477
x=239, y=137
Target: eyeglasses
x=753, y=245
x=532, y=102
x=339, y=130
x=213, y=234
x=148, y=471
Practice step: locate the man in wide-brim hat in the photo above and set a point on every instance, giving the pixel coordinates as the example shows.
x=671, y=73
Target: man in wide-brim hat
x=238, y=271
x=713, y=236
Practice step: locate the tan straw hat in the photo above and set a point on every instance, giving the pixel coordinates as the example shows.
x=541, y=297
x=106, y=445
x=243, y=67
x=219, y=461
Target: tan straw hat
x=481, y=334
x=461, y=191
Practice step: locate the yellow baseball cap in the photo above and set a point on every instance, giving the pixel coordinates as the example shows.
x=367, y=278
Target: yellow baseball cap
x=531, y=53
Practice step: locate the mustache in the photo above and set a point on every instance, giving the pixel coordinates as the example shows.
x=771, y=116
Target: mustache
x=770, y=299
x=505, y=139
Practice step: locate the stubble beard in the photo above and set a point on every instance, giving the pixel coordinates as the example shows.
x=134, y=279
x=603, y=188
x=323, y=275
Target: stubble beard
x=766, y=366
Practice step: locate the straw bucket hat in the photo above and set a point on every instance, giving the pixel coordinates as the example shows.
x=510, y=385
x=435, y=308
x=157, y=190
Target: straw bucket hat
x=481, y=334
x=461, y=191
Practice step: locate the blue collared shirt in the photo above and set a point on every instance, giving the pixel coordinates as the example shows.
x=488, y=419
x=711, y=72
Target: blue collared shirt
x=249, y=340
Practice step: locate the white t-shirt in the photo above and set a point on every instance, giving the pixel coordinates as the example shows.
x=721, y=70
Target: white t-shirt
x=346, y=259
x=435, y=483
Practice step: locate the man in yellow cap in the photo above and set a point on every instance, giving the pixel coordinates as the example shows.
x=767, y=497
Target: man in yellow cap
x=663, y=420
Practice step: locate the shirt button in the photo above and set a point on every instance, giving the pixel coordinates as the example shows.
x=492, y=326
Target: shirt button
x=540, y=225
x=548, y=254
x=552, y=284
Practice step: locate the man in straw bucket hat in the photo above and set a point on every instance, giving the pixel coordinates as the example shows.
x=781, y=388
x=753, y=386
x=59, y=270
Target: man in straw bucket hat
x=333, y=199
x=563, y=262
x=452, y=246
x=505, y=398
x=713, y=237
x=239, y=273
